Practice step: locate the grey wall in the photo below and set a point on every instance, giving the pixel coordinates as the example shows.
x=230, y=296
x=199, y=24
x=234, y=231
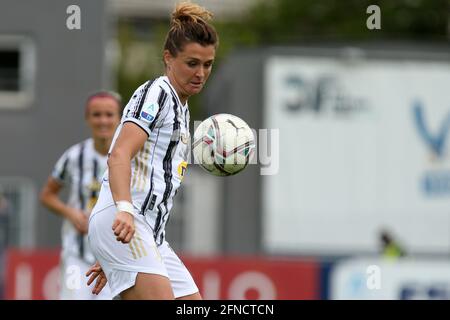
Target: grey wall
x=236, y=88
x=69, y=67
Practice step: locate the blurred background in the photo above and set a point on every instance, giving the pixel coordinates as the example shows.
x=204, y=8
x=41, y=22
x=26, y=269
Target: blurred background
x=349, y=193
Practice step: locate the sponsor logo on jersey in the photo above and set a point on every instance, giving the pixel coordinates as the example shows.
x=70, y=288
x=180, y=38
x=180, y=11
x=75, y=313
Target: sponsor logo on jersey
x=182, y=167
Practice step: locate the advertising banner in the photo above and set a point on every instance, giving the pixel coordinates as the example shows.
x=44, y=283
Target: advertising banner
x=363, y=147
x=255, y=278
x=32, y=274
x=35, y=275
x=404, y=279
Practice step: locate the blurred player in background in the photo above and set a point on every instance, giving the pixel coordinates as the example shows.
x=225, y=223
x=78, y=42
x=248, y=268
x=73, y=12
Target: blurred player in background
x=390, y=248
x=80, y=170
x=149, y=154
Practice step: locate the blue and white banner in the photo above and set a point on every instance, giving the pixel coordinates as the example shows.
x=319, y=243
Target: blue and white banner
x=374, y=279
x=364, y=146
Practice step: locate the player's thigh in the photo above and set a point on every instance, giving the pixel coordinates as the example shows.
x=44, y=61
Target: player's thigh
x=149, y=287
x=183, y=285
x=127, y=266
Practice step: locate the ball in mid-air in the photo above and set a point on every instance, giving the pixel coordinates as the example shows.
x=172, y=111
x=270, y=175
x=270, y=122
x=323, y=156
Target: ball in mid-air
x=223, y=144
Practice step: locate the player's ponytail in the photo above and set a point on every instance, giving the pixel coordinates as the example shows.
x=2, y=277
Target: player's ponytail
x=189, y=23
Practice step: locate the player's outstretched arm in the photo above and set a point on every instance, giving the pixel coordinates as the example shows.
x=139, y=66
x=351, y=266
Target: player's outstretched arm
x=49, y=197
x=130, y=140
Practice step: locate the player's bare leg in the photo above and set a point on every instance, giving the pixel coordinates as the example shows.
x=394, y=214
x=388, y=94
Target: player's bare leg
x=149, y=287
x=195, y=296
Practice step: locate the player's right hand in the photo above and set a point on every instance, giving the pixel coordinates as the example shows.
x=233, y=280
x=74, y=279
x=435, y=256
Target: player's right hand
x=79, y=220
x=96, y=272
x=123, y=227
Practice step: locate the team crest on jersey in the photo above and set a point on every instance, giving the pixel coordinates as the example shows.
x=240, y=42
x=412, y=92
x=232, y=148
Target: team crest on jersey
x=184, y=138
x=148, y=112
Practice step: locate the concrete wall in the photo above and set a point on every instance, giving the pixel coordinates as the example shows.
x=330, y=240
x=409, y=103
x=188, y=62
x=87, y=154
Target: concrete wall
x=236, y=88
x=69, y=65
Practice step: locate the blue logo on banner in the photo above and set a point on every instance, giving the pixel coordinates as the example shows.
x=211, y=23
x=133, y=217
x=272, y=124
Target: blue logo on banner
x=437, y=141
x=433, y=182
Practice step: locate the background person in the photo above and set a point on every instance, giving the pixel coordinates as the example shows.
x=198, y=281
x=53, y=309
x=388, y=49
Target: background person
x=80, y=170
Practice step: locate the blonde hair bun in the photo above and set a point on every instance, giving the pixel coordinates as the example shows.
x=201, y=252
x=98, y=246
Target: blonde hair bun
x=190, y=23
x=190, y=12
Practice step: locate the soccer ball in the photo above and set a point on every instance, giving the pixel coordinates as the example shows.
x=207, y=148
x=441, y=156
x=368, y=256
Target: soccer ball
x=223, y=144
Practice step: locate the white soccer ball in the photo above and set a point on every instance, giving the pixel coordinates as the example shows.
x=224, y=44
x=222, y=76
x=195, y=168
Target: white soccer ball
x=223, y=144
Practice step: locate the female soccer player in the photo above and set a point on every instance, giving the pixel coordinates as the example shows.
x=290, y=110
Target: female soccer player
x=80, y=169
x=147, y=162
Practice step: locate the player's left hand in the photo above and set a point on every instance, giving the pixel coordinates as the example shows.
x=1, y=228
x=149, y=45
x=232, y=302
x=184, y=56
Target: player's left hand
x=96, y=272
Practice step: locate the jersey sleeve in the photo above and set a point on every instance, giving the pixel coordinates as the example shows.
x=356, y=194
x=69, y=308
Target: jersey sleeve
x=146, y=105
x=61, y=170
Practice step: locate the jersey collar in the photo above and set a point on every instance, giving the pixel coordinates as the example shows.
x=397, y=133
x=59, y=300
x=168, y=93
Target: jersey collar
x=174, y=92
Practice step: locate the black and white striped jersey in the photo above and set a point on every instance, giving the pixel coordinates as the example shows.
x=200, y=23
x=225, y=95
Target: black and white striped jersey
x=158, y=168
x=80, y=170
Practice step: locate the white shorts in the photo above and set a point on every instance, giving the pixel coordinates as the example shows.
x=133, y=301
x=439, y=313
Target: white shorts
x=73, y=281
x=122, y=262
